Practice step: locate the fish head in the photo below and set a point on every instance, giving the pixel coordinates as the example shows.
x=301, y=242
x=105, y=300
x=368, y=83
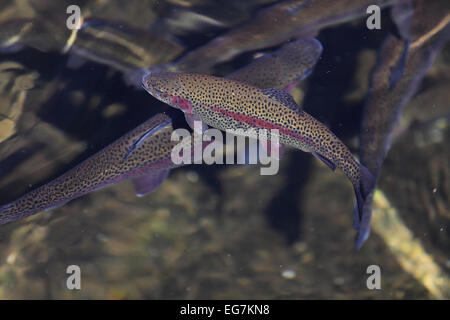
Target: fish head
x=167, y=87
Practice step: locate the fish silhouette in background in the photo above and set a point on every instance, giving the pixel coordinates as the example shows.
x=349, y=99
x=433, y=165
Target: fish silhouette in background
x=122, y=47
x=271, y=26
x=113, y=43
x=227, y=104
x=281, y=69
x=403, y=60
x=144, y=154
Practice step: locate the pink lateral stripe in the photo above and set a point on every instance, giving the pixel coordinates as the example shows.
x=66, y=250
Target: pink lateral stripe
x=183, y=104
x=260, y=123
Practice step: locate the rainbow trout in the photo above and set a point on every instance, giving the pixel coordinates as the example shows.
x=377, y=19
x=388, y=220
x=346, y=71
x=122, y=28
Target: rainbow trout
x=144, y=154
x=403, y=61
x=227, y=104
x=401, y=66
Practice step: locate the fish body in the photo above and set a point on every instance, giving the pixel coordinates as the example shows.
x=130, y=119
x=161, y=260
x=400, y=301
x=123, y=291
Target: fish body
x=402, y=64
x=283, y=68
x=424, y=28
x=230, y=105
x=143, y=154
x=121, y=47
x=291, y=19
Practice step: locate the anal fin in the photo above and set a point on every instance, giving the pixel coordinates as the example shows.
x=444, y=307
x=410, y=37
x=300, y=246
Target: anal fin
x=150, y=182
x=278, y=149
x=328, y=162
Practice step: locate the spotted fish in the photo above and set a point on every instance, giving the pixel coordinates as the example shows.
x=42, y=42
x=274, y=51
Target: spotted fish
x=424, y=28
x=227, y=104
x=281, y=69
x=143, y=154
x=402, y=64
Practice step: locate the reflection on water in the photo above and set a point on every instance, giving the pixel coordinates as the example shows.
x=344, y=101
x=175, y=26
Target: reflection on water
x=217, y=231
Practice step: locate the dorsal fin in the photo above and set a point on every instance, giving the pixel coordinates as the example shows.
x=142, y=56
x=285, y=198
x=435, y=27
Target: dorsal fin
x=137, y=143
x=283, y=97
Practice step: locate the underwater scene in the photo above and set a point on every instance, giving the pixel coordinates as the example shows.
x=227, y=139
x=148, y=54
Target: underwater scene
x=206, y=149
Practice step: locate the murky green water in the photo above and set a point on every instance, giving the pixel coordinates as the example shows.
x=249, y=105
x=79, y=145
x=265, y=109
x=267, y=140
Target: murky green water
x=220, y=231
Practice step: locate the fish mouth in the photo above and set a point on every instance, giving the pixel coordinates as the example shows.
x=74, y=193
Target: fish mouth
x=170, y=99
x=158, y=94
x=164, y=96
x=150, y=88
x=148, y=84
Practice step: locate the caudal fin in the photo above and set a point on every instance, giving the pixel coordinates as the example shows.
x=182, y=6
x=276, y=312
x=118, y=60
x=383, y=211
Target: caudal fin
x=363, y=207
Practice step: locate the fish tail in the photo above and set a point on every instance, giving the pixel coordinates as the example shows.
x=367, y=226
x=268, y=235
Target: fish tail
x=363, y=208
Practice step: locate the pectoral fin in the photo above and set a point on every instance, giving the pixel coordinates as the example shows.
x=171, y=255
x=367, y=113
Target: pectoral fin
x=196, y=123
x=149, y=182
